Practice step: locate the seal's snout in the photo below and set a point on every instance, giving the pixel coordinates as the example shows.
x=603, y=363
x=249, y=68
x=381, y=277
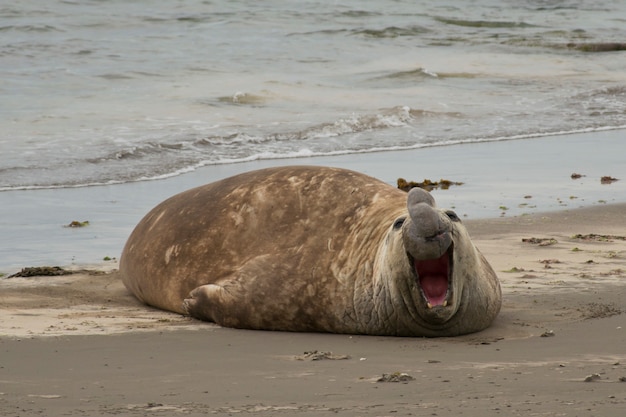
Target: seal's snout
x=417, y=195
x=427, y=238
x=426, y=235
x=421, y=207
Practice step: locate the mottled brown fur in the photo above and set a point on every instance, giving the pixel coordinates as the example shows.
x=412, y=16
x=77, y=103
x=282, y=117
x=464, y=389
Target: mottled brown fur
x=299, y=249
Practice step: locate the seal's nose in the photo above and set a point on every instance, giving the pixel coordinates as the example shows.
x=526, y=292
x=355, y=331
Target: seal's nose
x=426, y=220
x=425, y=236
x=417, y=195
x=420, y=205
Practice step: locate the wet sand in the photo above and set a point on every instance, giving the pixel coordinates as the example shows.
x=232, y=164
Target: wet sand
x=81, y=345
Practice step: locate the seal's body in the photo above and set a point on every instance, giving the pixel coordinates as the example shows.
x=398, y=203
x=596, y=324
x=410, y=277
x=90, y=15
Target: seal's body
x=312, y=249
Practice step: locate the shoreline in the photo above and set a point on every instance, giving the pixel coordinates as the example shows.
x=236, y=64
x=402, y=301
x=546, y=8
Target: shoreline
x=509, y=179
x=275, y=159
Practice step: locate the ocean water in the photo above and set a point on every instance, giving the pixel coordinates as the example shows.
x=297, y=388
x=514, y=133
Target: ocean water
x=107, y=92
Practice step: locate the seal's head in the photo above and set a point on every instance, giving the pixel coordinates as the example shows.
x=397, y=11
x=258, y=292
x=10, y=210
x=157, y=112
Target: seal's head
x=427, y=235
x=446, y=279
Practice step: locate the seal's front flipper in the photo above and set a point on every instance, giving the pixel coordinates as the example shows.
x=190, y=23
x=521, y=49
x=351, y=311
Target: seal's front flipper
x=211, y=302
x=250, y=299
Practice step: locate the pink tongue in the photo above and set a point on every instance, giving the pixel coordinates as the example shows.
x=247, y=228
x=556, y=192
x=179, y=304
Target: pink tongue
x=433, y=277
x=435, y=288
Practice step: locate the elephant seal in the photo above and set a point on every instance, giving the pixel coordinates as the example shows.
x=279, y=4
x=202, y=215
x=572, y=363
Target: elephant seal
x=312, y=249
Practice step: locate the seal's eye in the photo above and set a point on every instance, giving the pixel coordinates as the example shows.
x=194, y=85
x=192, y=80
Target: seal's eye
x=452, y=215
x=398, y=223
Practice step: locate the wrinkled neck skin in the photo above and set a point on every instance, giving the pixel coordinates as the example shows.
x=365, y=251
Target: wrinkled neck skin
x=401, y=306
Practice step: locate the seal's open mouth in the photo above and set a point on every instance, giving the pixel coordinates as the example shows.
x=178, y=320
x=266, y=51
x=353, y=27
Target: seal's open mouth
x=433, y=277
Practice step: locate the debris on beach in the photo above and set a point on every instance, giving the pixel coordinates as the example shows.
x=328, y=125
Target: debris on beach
x=548, y=262
x=396, y=377
x=157, y=407
x=40, y=271
x=576, y=176
x=599, y=310
x=549, y=333
x=540, y=241
x=315, y=355
x=76, y=223
x=592, y=377
x=427, y=184
x=598, y=238
x=607, y=179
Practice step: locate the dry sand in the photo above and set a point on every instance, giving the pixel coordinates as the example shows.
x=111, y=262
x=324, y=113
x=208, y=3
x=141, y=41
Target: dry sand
x=81, y=345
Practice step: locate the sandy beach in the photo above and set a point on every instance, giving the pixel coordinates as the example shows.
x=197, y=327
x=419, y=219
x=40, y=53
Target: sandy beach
x=110, y=108
x=81, y=345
